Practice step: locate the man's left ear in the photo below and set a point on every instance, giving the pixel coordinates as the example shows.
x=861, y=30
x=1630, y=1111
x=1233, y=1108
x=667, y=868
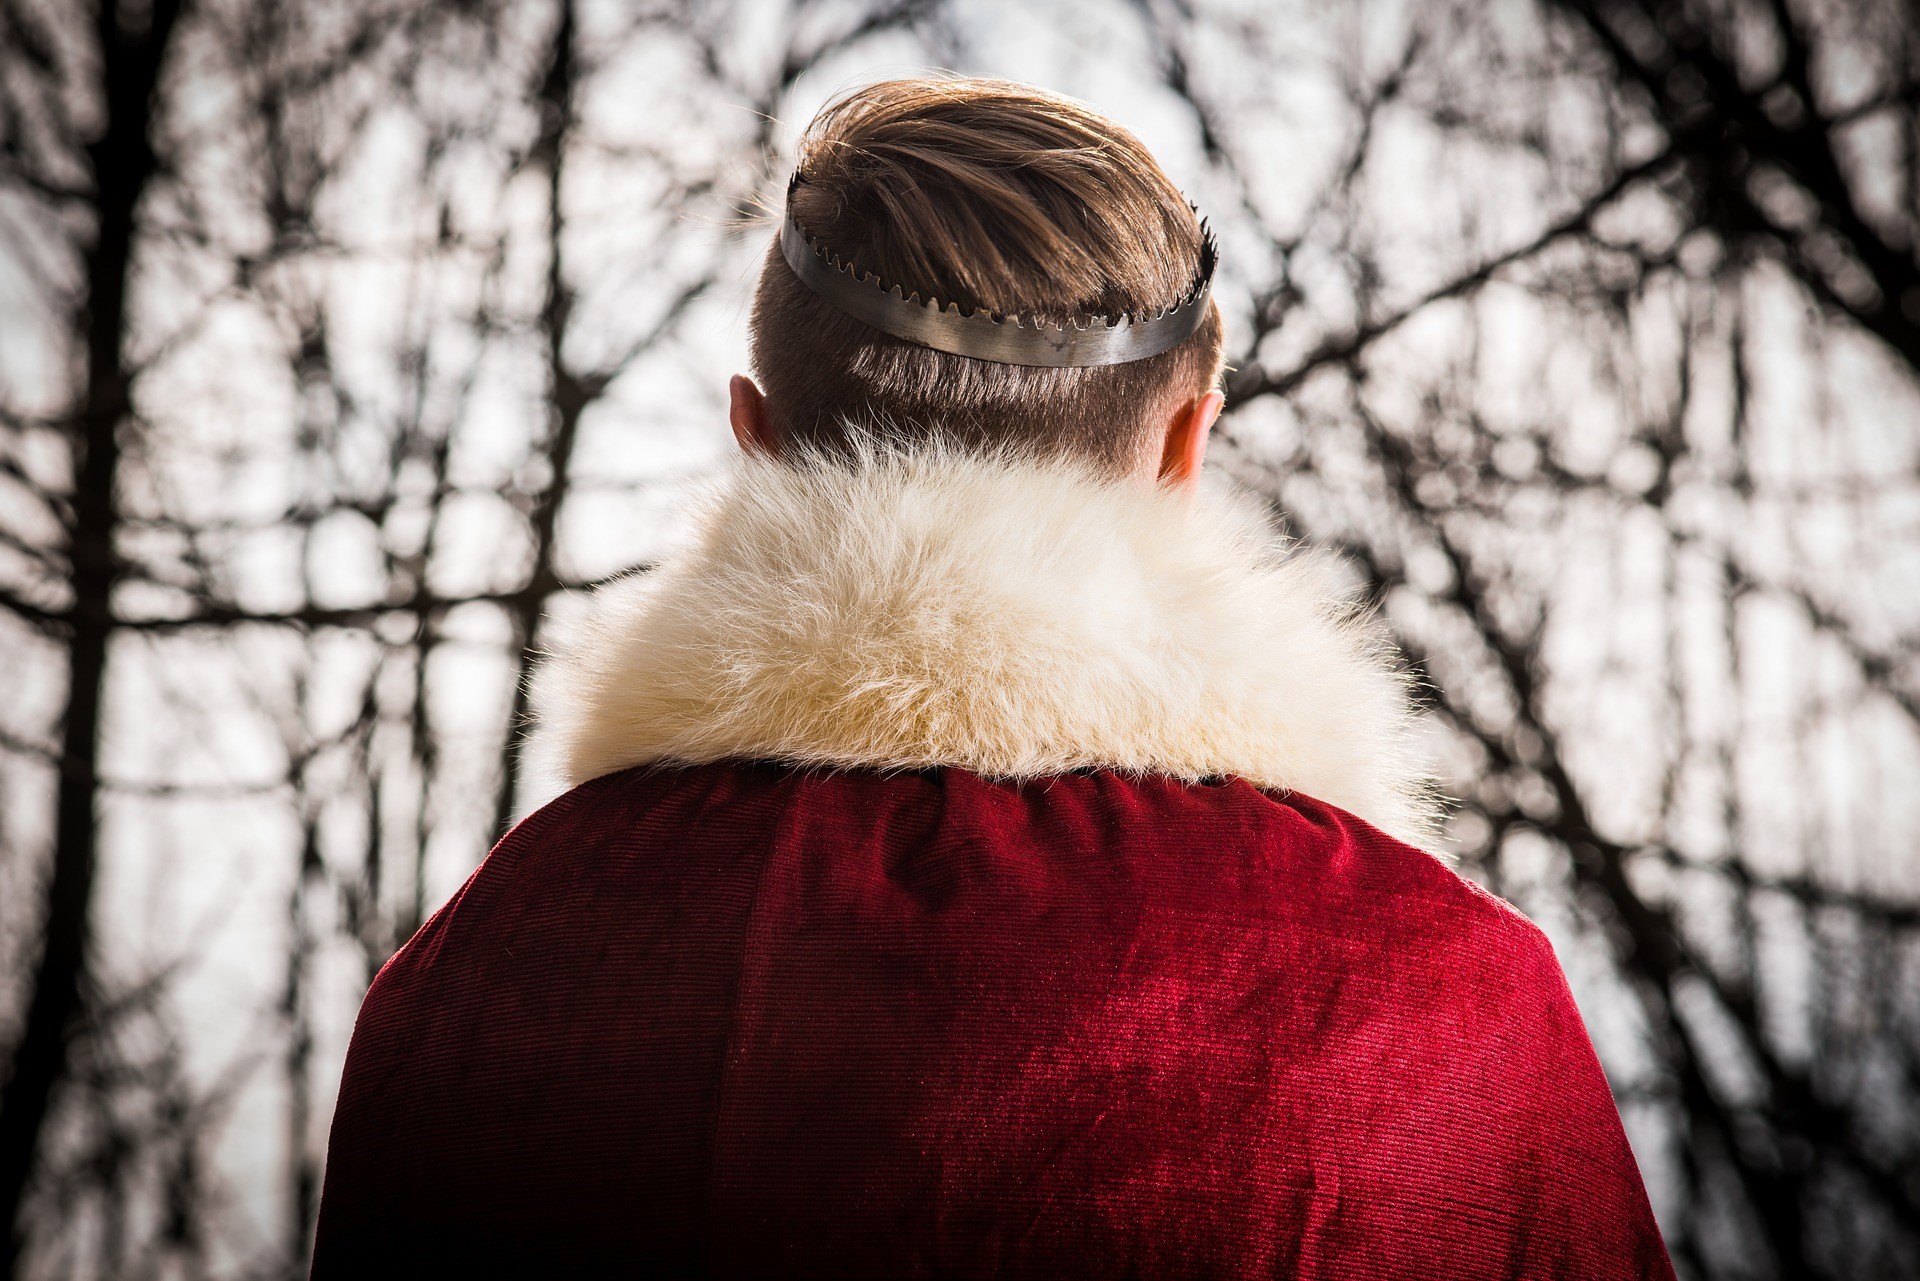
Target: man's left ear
x=747, y=411
x=1185, y=446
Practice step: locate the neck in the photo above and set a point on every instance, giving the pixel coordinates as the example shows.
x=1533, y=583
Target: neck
x=1013, y=619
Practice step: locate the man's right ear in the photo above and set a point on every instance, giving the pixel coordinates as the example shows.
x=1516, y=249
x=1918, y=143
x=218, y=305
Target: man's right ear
x=747, y=411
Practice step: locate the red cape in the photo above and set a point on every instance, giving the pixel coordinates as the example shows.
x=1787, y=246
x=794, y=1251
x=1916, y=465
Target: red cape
x=742, y=1020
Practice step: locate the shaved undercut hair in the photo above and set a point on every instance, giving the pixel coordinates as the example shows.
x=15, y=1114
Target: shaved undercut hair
x=990, y=194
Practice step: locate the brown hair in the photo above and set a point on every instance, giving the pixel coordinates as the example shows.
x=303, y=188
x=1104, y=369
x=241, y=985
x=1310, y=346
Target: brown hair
x=990, y=194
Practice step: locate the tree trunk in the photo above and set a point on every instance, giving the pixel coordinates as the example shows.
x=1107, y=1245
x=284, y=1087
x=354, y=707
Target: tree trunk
x=123, y=162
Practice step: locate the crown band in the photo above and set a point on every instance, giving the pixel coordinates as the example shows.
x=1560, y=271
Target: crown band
x=976, y=334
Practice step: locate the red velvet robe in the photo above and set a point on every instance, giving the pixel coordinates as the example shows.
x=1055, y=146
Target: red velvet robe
x=748, y=1020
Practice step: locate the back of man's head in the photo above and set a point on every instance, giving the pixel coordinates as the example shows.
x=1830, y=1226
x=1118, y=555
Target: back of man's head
x=991, y=194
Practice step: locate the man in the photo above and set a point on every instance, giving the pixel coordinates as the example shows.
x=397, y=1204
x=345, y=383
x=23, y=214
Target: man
x=979, y=862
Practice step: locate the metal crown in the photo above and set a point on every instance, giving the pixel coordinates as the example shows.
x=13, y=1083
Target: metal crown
x=1080, y=342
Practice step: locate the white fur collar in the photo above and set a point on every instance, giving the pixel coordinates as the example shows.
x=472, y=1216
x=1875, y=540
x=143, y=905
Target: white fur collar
x=1014, y=619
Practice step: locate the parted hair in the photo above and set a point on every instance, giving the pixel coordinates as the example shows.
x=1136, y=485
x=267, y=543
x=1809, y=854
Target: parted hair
x=990, y=194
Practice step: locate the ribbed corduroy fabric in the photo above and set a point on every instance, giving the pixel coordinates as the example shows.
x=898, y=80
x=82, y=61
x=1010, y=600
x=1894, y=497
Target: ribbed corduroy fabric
x=745, y=1020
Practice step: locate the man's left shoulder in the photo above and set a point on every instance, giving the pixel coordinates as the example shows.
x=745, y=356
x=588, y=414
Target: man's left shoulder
x=1294, y=856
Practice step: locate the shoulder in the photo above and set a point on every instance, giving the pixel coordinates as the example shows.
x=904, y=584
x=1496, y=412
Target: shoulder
x=1287, y=855
x=1354, y=922
x=598, y=862
x=1308, y=884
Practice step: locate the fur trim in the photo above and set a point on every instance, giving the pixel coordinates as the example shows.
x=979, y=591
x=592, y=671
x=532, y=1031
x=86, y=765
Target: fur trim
x=1016, y=619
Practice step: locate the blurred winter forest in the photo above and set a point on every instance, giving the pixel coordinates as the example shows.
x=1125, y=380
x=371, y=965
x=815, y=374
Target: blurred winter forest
x=345, y=343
